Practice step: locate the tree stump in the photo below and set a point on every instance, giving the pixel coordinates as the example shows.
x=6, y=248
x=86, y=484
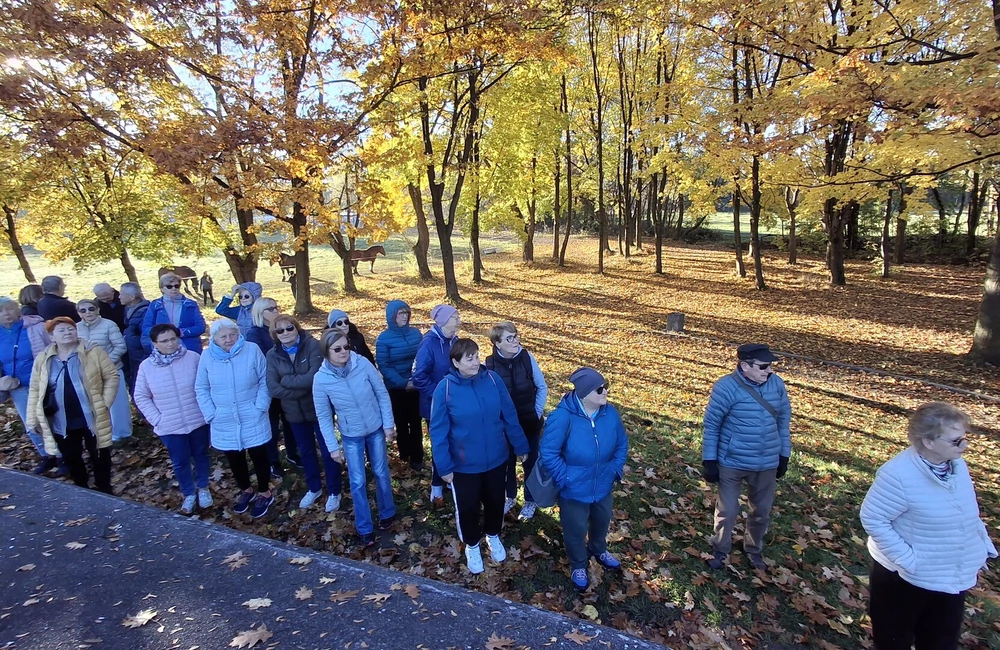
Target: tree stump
x=675, y=321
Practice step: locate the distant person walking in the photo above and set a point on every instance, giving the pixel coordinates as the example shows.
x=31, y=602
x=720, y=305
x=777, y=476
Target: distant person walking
x=746, y=439
x=178, y=310
x=205, y=284
x=395, y=351
x=53, y=302
x=105, y=333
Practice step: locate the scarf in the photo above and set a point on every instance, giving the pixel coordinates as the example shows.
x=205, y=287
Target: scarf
x=221, y=355
x=942, y=470
x=341, y=372
x=163, y=360
x=293, y=348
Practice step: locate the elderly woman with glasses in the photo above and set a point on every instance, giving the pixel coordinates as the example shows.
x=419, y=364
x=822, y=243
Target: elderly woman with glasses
x=22, y=338
x=349, y=383
x=72, y=387
x=164, y=393
x=178, y=310
x=583, y=449
x=238, y=304
x=473, y=422
x=925, y=535
x=105, y=333
x=263, y=313
x=292, y=364
x=339, y=320
x=231, y=388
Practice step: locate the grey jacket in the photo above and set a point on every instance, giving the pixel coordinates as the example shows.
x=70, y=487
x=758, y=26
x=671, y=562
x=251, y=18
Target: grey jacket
x=291, y=380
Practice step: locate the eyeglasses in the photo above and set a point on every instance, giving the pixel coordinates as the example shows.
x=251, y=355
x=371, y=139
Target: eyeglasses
x=338, y=349
x=342, y=321
x=270, y=309
x=172, y=339
x=602, y=389
x=511, y=338
x=86, y=310
x=290, y=328
x=958, y=442
x=171, y=286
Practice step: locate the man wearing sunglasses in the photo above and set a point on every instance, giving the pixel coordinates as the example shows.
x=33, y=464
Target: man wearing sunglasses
x=746, y=439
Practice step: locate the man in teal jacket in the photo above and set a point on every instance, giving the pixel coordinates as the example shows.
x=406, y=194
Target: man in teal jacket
x=746, y=439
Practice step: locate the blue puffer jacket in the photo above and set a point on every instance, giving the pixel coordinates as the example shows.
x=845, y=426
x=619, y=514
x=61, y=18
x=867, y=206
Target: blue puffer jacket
x=583, y=456
x=134, y=315
x=230, y=306
x=396, y=348
x=261, y=337
x=192, y=323
x=432, y=366
x=739, y=432
x=358, y=394
x=472, y=420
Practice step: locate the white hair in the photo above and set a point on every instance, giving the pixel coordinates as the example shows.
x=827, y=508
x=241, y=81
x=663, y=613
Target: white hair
x=7, y=302
x=220, y=324
x=102, y=286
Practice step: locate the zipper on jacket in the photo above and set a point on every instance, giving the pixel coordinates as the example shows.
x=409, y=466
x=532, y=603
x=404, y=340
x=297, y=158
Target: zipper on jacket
x=597, y=441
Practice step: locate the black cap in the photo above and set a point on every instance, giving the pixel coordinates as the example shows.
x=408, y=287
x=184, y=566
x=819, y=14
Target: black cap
x=755, y=352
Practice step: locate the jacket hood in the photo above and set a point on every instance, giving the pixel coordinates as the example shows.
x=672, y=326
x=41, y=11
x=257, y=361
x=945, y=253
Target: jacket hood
x=571, y=403
x=392, y=309
x=455, y=376
x=30, y=320
x=438, y=333
x=255, y=289
x=332, y=370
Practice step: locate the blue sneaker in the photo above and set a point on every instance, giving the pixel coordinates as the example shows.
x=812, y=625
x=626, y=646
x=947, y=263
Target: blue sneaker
x=580, y=579
x=608, y=561
x=243, y=502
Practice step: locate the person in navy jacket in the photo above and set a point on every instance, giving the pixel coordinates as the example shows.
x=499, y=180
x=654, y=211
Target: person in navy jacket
x=583, y=448
x=395, y=352
x=473, y=420
x=746, y=441
x=431, y=366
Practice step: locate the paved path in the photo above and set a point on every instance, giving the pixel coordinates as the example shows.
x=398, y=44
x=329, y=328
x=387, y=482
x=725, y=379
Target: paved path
x=77, y=564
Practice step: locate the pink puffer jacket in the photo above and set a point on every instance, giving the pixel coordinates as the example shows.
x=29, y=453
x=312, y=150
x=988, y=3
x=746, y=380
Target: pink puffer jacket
x=165, y=395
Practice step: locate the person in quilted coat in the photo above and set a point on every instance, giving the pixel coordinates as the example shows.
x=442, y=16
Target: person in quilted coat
x=746, y=439
x=105, y=333
x=926, y=538
x=395, y=352
x=164, y=393
x=232, y=393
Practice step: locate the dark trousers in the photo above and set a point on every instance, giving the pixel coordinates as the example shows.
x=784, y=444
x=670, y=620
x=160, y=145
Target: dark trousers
x=435, y=477
x=903, y=614
x=581, y=521
x=409, y=427
x=532, y=431
x=276, y=418
x=479, y=503
x=71, y=447
x=261, y=466
x=207, y=291
x=306, y=434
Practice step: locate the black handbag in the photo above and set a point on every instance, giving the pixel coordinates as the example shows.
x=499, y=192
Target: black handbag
x=50, y=405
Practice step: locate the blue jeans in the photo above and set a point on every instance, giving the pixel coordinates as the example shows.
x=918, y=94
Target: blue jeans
x=306, y=434
x=20, y=398
x=185, y=448
x=121, y=412
x=354, y=454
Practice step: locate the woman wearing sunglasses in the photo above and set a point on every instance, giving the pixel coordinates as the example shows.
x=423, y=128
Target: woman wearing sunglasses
x=339, y=320
x=925, y=535
x=350, y=385
x=583, y=449
x=237, y=305
x=105, y=334
x=178, y=310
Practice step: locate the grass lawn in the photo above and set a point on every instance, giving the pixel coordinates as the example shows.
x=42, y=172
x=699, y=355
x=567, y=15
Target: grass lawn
x=845, y=424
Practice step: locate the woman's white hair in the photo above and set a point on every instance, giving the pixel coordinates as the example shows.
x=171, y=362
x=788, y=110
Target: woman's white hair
x=257, y=311
x=220, y=324
x=9, y=303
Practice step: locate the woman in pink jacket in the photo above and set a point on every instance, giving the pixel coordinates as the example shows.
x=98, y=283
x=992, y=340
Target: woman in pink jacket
x=164, y=393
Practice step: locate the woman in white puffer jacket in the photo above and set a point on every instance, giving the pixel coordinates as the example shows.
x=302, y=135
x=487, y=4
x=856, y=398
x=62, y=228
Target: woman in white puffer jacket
x=925, y=535
x=105, y=334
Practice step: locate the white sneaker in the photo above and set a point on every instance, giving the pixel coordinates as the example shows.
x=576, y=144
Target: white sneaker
x=437, y=492
x=507, y=505
x=188, y=506
x=309, y=499
x=497, y=551
x=332, y=503
x=474, y=559
x=205, y=498
x=527, y=511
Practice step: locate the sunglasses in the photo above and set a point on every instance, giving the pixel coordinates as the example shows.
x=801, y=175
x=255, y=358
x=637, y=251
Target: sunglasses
x=171, y=286
x=338, y=349
x=290, y=328
x=86, y=310
x=760, y=366
x=602, y=389
x=270, y=309
x=246, y=297
x=342, y=321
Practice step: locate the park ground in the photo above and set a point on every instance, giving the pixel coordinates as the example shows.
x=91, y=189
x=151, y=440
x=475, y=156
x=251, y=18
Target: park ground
x=913, y=327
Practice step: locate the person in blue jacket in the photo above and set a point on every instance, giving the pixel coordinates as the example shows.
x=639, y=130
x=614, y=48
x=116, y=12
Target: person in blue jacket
x=431, y=366
x=395, y=352
x=237, y=304
x=746, y=439
x=583, y=448
x=178, y=310
x=473, y=420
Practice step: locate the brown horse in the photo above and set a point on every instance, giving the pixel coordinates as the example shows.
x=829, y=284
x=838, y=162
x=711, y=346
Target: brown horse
x=285, y=261
x=185, y=273
x=367, y=255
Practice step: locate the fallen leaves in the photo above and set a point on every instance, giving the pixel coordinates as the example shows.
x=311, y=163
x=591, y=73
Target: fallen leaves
x=250, y=638
x=75, y=546
x=578, y=637
x=377, y=599
x=257, y=603
x=236, y=560
x=499, y=642
x=413, y=591
x=26, y=567
x=341, y=596
x=140, y=619
x=300, y=561
x=303, y=593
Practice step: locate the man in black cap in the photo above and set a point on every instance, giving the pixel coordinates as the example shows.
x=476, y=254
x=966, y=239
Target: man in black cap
x=746, y=439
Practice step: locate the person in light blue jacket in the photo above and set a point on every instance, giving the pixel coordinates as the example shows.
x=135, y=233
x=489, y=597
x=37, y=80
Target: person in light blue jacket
x=395, y=353
x=349, y=384
x=583, y=448
x=432, y=364
x=237, y=304
x=473, y=424
x=747, y=439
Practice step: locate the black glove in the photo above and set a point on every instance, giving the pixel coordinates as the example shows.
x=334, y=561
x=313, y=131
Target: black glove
x=710, y=471
x=782, y=466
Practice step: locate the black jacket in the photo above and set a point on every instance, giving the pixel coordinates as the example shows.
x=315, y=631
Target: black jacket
x=292, y=382
x=50, y=306
x=113, y=311
x=358, y=343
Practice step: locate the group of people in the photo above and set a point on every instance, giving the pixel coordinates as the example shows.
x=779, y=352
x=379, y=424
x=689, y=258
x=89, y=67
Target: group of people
x=67, y=372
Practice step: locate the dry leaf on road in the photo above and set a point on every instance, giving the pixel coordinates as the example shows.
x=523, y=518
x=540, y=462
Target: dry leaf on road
x=413, y=591
x=26, y=567
x=257, y=603
x=578, y=637
x=341, y=596
x=236, y=560
x=250, y=638
x=140, y=619
x=377, y=598
x=499, y=642
x=325, y=580
x=304, y=593
x=301, y=560
x=75, y=546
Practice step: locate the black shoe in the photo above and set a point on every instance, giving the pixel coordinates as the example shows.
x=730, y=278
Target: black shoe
x=368, y=540
x=417, y=466
x=62, y=468
x=294, y=461
x=277, y=471
x=48, y=462
x=717, y=562
x=243, y=502
x=386, y=524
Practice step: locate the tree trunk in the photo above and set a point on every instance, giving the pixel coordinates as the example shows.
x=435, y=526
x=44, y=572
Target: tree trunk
x=833, y=221
x=741, y=268
x=423, y=232
x=303, y=288
x=792, y=206
x=986, y=336
x=975, y=212
x=243, y=265
x=569, y=176
x=10, y=232
x=556, y=210
x=598, y=123
x=755, y=199
x=529, y=227
x=900, y=252
x=129, y=267
x=884, y=244
x=477, y=256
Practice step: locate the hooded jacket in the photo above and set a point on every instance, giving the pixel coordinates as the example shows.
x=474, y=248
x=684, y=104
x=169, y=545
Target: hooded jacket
x=358, y=394
x=191, y=325
x=104, y=333
x=230, y=306
x=472, y=421
x=165, y=395
x=431, y=366
x=396, y=348
x=291, y=380
x=232, y=393
x=583, y=456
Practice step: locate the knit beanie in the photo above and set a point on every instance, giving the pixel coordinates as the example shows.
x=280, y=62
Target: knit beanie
x=335, y=315
x=442, y=314
x=585, y=381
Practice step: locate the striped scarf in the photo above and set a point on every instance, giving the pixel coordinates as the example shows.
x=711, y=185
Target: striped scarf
x=941, y=470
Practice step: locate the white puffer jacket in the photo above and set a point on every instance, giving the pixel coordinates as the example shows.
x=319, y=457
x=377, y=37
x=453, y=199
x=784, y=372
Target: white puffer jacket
x=927, y=530
x=104, y=334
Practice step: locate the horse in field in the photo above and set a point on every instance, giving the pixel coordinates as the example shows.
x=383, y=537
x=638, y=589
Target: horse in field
x=286, y=262
x=185, y=273
x=367, y=255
